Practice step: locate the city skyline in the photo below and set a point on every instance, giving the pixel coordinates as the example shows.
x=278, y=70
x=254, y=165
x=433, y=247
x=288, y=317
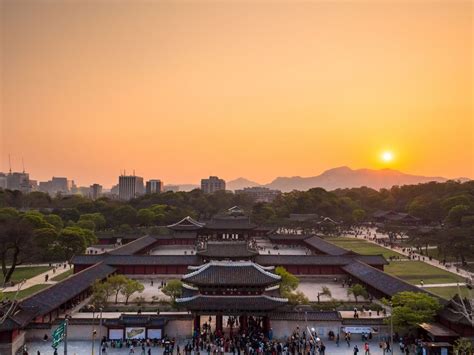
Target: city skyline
x=184, y=91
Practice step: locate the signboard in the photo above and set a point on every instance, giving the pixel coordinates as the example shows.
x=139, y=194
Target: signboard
x=115, y=334
x=359, y=330
x=58, y=334
x=135, y=333
x=154, y=333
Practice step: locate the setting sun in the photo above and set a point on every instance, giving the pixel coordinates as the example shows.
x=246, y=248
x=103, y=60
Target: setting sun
x=387, y=156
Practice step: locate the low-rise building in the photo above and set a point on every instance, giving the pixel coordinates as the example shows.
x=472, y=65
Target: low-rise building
x=260, y=193
x=212, y=184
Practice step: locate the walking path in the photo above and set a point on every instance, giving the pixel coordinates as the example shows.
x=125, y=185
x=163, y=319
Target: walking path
x=443, y=285
x=84, y=348
x=406, y=252
x=41, y=278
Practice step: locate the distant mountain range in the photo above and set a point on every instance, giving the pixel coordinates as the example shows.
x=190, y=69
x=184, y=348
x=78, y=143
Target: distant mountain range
x=342, y=177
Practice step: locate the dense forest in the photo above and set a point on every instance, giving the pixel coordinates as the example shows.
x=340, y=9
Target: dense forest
x=37, y=227
x=451, y=202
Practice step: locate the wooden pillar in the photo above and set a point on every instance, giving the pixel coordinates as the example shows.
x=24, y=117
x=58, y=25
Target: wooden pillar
x=244, y=323
x=197, y=324
x=219, y=322
x=266, y=325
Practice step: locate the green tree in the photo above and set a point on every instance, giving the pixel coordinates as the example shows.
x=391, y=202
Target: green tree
x=125, y=215
x=145, y=217
x=130, y=287
x=100, y=294
x=289, y=282
x=86, y=224
x=45, y=240
x=72, y=241
x=54, y=220
x=97, y=218
x=117, y=282
x=173, y=289
x=324, y=292
x=296, y=298
x=456, y=214
x=358, y=215
x=412, y=308
x=16, y=242
x=463, y=346
x=357, y=291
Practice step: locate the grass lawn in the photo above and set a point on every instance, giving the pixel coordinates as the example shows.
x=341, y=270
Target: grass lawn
x=26, y=272
x=362, y=246
x=415, y=271
x=63, y=276
x=26, y=292
x=449, y=292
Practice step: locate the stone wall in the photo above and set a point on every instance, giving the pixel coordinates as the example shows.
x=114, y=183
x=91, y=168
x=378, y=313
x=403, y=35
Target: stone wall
x=75, y=332
x=179, y=328
x=283, y=328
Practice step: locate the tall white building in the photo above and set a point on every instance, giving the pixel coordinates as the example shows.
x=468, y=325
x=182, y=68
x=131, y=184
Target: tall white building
x=212, y=185
x=130, y=186
x=154, y=186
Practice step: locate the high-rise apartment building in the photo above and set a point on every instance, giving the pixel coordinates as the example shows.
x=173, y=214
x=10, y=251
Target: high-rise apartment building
x=3, y=181
x=154, y=186
x=19, y=181
x=95, y=191
x=59, y=185
x=212, y=185
x=130, y=186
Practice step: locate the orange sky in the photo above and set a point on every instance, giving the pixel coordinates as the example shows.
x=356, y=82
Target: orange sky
x=182, y=90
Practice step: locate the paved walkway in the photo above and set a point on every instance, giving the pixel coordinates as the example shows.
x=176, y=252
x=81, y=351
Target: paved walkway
x=433, y=262
x=40, y=279
x=443, y=285
x=85, y=348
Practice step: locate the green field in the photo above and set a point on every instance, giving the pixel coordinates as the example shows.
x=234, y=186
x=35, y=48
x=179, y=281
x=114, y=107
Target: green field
x=449, y=292
x=63, y=276
x=27, y=272
x=26, y=292
x=363, y=247
x=415, y=271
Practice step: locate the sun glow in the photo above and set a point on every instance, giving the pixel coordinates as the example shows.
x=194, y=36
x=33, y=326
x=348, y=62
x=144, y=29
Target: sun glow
x=387, y=156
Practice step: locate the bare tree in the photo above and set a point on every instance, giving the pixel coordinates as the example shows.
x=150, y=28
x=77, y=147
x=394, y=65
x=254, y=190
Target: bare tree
x=464, y=305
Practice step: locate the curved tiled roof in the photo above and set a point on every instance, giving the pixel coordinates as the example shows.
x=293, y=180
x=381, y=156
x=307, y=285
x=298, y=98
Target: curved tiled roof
x=379, y=280
x=187, y=223
x=227, y=250
x=231, y=274
x=230, y=303
x=54, y=296
x=230, y=222
x=135, y=246
x=325, y=247
x=335, y=260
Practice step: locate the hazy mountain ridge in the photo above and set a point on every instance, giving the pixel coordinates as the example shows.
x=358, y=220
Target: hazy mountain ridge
x=240, y=183
x=341, y=177
x=345, y=177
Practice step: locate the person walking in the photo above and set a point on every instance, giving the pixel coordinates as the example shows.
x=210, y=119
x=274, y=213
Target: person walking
x=367, y=349
x=356, y=350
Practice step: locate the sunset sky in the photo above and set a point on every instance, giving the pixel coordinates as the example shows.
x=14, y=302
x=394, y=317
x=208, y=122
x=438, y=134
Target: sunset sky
x=180, y=90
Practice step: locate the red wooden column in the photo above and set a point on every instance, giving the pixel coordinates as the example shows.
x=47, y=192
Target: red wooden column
x=197, y=324
x=219, y=322
x=244, y=323
x=266, y=324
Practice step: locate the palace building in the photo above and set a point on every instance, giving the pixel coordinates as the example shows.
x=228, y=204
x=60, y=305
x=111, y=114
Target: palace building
x=227, y=266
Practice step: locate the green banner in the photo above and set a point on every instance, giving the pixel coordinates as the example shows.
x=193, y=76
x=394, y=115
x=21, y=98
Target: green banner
x=58, y=334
